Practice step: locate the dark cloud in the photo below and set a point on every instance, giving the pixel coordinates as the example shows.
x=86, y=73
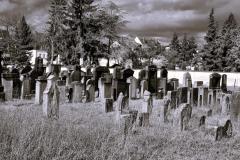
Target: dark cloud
x=154, y=18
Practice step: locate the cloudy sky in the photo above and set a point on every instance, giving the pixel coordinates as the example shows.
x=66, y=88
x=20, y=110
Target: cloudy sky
x=152, y=18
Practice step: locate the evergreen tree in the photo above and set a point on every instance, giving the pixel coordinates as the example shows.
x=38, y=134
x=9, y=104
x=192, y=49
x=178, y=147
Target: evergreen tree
x=23, y=39
x=228, y=35
x=56, y=38
x=173, y=56
x=210, y=57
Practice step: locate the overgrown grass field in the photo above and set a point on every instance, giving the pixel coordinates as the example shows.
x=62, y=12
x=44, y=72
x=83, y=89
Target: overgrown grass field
x=84, y=131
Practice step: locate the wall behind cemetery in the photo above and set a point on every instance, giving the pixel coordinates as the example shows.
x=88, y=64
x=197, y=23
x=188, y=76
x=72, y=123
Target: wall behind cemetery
x=197, y=76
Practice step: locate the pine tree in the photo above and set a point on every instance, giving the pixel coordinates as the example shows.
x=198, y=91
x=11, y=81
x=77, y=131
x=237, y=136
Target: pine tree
x=210, y=56
x=23, y=38
x=228, y=35
x=56, y=38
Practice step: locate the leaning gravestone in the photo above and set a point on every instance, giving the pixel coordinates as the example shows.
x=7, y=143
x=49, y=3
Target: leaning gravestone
x=182, y=116
x=51, y=99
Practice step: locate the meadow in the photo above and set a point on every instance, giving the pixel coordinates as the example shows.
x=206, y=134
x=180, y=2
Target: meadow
x=86, y=132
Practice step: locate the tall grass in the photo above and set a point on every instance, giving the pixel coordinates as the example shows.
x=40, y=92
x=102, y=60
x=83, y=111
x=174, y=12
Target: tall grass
x=84, y=131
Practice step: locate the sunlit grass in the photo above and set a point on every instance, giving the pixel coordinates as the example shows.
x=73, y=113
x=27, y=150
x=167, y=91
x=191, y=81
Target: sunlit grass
x=84, y=131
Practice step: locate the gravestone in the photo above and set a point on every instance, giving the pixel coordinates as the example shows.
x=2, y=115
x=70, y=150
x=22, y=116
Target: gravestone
x=226, y=104
x=62, y=90
x=163, y=73
x=144, y=87
x=235, y=110
x=40, y=87
x=182, y=117
x=224, y=83
x=187, y=80
x=172, y=96
x=162, y=83
x=2, y=94
x=108, y=105
x=51, y=99
x=90, y=93
x=144, y=119
x=147, y=103
x=202, y=96
x=182, y=95
x=174, y=84
x=132, y=87
x=165, y=110
x=194, y=92
x=97, y=73
x=76, y=74
x=212, y=97
x=151, y=74
x=214, y=81
x=7, y=82
x=77, y=92
x=123, y=104
x=26, y=87
x=16, y=83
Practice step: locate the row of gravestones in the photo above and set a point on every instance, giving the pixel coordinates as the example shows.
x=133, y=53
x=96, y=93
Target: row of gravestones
x=21, y=83
x=178, y=104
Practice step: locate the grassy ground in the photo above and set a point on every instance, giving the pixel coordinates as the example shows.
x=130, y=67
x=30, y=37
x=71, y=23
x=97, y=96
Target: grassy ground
x=84, y=131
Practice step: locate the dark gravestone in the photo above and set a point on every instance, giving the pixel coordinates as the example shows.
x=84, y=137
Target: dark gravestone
x=152, y=78
x=182, y=95
x=214, y=81
x=163, y=73
x=76, y=74
x=194, y=96
x=97, y=73
x=16, y=83
x=108, y=105
x=224, y=83
x=2, y=94
x=38, y=67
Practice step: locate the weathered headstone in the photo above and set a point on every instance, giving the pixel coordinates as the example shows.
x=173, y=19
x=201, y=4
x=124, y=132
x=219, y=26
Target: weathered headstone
x=40, y=87
x=235, y=110
x=97, y=73
x=76, y=74
x=62, y=90
x=2, y=94
x=182, y=95
x=147, y=104
x=132, y=87
x=26, y=90
x=90, y=93
x=144, y=86
x=226, y=104
x=174, y=83
x=77, y=92
x=108, y=105
x=7, y=82
x=163, y=73
x=182, y=116
x=151, y=74
x=172, y=96
x=187, y=80
x=202, y=96
x=51, y=99
x=164, y=110
x=194, y=97
x=162, y=83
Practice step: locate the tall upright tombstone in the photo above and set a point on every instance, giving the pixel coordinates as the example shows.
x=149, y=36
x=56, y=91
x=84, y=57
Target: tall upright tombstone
x=235, y=110
x=7, y=82
x=97, y=73
x=77, y=87
x=62, y=90
x=51, y=99
x=132, y=87
x=41, y=84
x=26, y=87
x=187, y=80
x=173, y=84
x=151, y=73
x=224, y=83
x=2, y=94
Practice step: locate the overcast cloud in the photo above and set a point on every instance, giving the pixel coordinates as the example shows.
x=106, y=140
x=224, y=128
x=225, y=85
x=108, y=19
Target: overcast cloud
x=152, y=18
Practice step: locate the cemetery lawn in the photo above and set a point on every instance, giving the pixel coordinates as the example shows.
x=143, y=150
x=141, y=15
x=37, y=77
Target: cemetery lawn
x=84, y=131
